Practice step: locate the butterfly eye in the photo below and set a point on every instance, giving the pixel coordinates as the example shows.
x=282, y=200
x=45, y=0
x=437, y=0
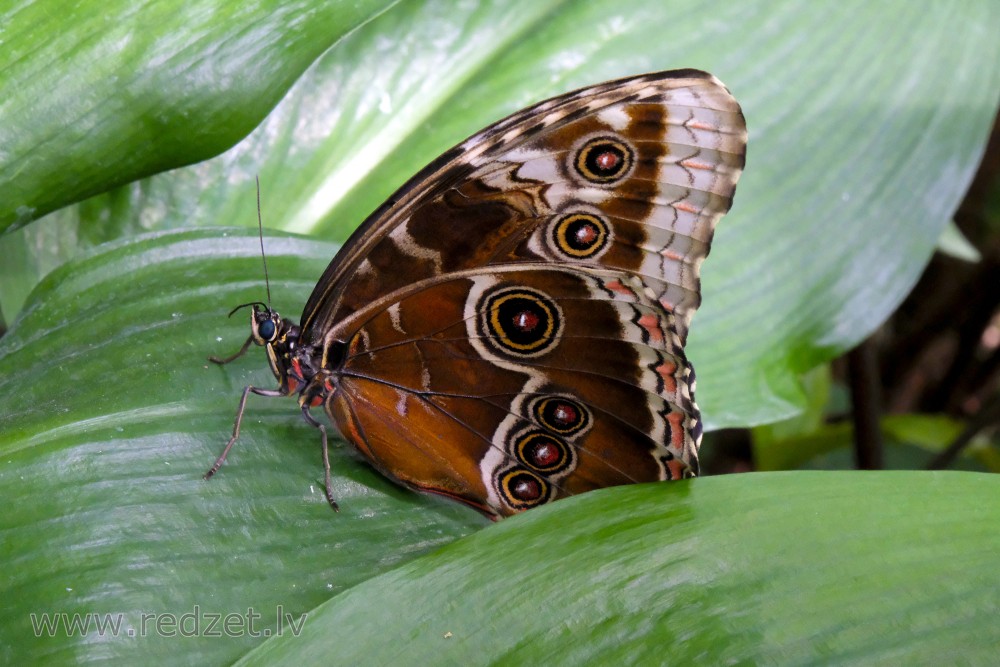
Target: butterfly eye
x=266, y=330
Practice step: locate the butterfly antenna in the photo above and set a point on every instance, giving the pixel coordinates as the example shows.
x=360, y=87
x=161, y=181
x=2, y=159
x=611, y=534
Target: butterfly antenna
x=260, y=233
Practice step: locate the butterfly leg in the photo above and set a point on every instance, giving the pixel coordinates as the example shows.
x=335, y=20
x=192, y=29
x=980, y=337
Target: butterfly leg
x=233, y=357
x=239, y=419
x=326, y=457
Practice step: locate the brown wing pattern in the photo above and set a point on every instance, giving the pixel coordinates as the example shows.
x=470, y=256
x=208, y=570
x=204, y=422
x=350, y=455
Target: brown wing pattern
x=631, y=174
x=514, y=386
x=514, y=317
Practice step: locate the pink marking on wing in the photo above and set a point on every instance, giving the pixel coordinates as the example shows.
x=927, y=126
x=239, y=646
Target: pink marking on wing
x=686, y=207
x=675, y=468
x=693, y=164
x=618, y=287
x=666, y=371
x=651, y=323
x=698, y=125
x=671, y=254
x=676, y=422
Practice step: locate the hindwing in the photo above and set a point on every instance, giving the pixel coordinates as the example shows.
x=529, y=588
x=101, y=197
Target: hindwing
x=519, y=385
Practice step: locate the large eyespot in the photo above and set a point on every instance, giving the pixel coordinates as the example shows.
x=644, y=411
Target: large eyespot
x=542, y=452
x=520, y=321
x=604, y=160
x=560, y=415
x=580, y=235
x=523, y=489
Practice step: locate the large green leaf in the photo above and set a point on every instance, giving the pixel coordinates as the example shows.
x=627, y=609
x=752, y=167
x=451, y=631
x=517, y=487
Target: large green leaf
x=866, y=120
x=96, y=94
x=810, y=568
x=111, y=413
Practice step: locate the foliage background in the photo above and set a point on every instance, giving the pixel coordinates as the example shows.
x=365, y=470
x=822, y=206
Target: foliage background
x=867, y=123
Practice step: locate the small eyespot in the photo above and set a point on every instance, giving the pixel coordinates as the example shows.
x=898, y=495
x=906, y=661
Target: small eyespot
x=561, y=415
x=604, y=160
x=580, y=235
x=523, y=489
x=542, y=452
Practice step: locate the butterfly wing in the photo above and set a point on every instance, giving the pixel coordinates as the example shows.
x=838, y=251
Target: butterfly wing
x=509, y=387
x=631, y=174
x=508, y=328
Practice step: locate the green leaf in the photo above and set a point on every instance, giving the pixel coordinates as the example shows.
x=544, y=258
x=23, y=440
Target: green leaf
x=810, y=568
x=933, y=432
x=954, y=244
x=866, y=121
x=96, y=94
x=909, y=440
x=817, y=386
x=111, y=416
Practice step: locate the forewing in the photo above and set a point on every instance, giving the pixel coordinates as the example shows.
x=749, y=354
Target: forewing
x=630, y=175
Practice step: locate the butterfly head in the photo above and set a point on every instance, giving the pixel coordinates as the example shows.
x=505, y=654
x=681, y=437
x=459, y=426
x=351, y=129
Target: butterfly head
x=280, y=337
x=266, y=325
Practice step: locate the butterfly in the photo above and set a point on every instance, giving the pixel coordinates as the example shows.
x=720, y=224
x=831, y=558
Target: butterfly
x=508, y=328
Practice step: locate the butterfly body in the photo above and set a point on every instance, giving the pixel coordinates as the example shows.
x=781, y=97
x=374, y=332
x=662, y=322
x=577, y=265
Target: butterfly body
x=509, y=328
